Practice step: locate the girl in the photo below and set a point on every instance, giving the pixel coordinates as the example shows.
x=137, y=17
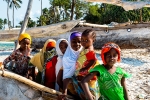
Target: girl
x=20, y=57
x=45, y=61
x=111, y=79
x=61, y=47
x=86, y=60
x=69, y=61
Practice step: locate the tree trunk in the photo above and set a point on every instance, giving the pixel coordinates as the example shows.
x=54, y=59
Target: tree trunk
x=23, y=26
x=41, y=12
x=13, y=16
x=8, y=14
x=141, y=15
x=72, y=9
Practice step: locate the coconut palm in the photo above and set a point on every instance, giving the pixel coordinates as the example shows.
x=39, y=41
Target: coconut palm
x=5, y=22
x=8, y=2
x=15, y=4
x=1, y=23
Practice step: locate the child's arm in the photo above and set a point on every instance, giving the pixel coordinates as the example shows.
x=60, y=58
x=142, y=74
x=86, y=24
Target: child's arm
x=9, y=58
x=84, y=84
x=91, y=63
x=123, y=83
x=91, y=57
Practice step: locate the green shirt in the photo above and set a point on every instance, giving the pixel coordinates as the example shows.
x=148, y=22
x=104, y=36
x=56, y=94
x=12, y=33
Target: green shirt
x=110, y=84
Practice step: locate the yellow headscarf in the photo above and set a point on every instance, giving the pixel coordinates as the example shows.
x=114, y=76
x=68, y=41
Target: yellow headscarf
x=25, y=35
x=38, y=59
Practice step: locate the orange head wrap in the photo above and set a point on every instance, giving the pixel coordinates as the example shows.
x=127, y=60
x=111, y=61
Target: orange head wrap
x=107, y=47
x=51, y=44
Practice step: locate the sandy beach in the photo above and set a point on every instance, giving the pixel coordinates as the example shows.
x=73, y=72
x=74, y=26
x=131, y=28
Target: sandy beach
x=137, y=63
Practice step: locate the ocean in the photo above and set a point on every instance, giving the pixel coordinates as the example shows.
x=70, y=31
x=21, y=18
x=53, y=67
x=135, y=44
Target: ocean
x=6, y=48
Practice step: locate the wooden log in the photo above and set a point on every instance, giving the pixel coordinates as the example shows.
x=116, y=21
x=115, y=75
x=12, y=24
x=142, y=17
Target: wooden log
x=30, y=83
x=42, y=31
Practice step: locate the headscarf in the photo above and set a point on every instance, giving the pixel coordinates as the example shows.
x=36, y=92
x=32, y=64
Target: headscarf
x=107, y=47
x=25, y=35
x=70, y=58
x=60, y=56
x=38, y=59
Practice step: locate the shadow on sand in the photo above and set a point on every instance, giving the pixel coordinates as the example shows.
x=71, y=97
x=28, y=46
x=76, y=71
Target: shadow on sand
x=132, y=61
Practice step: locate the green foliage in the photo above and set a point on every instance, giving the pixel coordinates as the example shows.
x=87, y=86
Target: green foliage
x=1, y=23
x=106, y=13
x=30, y=24
x=15, y=3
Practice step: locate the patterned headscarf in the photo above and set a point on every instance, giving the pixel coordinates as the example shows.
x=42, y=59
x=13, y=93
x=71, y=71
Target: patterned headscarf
x=107, y=47
x=25, y=35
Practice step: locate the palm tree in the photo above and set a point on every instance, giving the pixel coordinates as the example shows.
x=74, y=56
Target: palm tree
x=41, y=12
x=72, y=9
x=8, y=2
x=5, y=22
x=15, y=4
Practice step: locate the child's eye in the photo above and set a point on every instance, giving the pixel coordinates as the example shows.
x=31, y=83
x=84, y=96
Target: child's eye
x=84, y=40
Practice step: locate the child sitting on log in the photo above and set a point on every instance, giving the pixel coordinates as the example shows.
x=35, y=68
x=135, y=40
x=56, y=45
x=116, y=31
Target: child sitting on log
x=19, y=59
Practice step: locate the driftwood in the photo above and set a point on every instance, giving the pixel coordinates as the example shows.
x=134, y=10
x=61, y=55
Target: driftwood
x=43, y=31
x=46, y=92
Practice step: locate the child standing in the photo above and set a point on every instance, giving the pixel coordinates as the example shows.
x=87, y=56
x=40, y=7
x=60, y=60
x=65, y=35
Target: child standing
x=61, y=46
x=86, y=60
x=20, y=57
x=111, y=79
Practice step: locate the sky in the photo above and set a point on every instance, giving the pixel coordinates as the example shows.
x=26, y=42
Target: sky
x=20, y=13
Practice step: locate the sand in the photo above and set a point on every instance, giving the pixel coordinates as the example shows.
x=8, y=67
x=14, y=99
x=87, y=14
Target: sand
x=137, y=63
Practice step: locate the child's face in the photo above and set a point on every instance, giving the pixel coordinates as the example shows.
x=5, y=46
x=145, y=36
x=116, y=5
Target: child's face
x=111, y=57
x=63, y=45
x=87, y=41
x=24, y=44
x=76, y=43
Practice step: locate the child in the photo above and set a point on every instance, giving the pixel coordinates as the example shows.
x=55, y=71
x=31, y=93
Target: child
x=20, y=57
x=61, y=46
x=45, y=61
x=111, y=79
x=86, y=60
x=69, y=61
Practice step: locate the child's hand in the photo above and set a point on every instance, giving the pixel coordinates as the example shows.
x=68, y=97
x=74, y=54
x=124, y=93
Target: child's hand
x=83, y=70
x=27, y=51
x=93, y=97
x=1, y=66
x=61, y=97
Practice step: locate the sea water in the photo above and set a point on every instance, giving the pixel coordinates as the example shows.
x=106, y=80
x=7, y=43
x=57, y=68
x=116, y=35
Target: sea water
x=6, y=48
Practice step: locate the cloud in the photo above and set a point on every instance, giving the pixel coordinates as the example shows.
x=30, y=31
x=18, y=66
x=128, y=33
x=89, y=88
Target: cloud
x=33, y=16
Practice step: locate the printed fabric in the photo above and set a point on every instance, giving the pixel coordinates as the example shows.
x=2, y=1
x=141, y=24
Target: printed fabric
x=20, y=62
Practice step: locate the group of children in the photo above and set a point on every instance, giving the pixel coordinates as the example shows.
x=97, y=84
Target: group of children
x=73, y=68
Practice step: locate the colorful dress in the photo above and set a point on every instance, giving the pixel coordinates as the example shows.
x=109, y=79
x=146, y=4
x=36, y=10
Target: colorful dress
x=85, y=56
x=20, y=62
x=48, y=73
x=109, y=84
